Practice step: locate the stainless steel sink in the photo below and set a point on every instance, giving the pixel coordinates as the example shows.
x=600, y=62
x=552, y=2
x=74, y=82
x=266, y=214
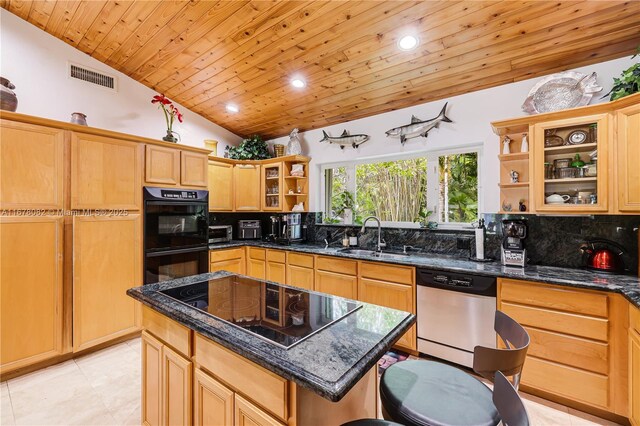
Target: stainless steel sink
x=373, y=253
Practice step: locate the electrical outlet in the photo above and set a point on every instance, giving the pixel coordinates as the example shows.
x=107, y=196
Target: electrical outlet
x=464, y=243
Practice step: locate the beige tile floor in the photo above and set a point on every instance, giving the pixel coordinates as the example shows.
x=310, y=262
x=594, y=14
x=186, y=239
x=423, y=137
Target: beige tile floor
x=103, y=388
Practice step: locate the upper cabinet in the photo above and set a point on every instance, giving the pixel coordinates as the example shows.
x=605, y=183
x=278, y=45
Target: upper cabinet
x=193, y=169
x=31, y=166
x=220, y=186
x=162, y=166
x=273, y=185
x=106, y=173
x=582, y=160
x=165, y=166
x=567, y=158
x=246, y=179
x=627, y=151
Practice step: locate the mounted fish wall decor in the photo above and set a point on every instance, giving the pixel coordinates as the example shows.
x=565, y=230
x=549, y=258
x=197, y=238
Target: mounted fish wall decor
x=345, y=139
x=418, y=127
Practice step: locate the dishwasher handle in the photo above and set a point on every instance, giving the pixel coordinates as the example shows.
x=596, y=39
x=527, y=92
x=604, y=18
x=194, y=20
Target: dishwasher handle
x=463, y=283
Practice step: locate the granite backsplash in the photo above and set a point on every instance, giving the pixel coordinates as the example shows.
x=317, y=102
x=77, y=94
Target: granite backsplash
x=552, y=240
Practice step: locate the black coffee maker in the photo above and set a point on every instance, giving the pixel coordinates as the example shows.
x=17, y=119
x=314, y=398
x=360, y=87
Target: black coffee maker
x=286, y=228
x=514, y=232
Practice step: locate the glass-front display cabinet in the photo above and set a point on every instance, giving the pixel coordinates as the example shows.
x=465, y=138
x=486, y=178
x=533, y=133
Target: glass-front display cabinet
x=272, y=183
x=570, y=164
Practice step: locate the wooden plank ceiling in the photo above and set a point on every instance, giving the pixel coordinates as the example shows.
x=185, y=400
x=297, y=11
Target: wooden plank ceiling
x=205, y=54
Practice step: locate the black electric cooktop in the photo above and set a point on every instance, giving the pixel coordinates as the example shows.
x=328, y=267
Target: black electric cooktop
x=282, y=315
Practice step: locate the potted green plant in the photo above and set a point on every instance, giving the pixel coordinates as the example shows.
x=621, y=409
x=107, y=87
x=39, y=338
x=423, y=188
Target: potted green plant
x=628, y=83
x=252, y=148
x=424, y=219
x=345, y=203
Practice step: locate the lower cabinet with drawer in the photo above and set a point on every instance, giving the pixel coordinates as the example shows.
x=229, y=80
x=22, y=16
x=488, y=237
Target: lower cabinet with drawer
x=276, y=269
x=189, y=379
x=577, y=352
x=231, y=260
x=256, y=262
x=338, y=277
x=166, y=384
x=391, y=286
x=300, y=270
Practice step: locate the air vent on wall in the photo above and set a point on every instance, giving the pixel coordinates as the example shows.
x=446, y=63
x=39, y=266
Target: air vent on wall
x=92, y=76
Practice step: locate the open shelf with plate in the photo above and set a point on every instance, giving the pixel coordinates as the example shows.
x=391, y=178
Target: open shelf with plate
x=567, y=156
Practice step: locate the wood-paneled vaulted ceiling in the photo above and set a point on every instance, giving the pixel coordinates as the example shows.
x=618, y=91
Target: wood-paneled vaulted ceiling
x=205, y=54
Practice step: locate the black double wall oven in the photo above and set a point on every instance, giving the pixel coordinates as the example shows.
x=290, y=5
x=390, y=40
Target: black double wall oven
x=176, y=242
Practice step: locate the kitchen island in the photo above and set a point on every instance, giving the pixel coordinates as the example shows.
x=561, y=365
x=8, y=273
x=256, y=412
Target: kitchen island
x=221, y=348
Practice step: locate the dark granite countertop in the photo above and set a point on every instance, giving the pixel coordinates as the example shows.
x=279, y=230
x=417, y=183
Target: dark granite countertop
x=627, y=285
x=330, y=362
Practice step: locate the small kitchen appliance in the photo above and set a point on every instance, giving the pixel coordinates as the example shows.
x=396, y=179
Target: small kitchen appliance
x=514, y=232
x=249, y=230
x=220, y=234
x=288, y=228
x=603, y=255
x=275, y=227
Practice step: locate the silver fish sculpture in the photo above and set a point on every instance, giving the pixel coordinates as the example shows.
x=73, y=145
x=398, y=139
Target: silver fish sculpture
x=418, y=127
x=345, y=139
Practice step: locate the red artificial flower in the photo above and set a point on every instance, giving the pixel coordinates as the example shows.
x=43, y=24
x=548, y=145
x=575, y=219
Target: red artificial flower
x=160, y=98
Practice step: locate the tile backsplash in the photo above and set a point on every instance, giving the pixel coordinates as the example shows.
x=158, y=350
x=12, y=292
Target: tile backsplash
x=552, y=240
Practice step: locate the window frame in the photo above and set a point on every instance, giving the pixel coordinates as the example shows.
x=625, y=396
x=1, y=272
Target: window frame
x=432, y=157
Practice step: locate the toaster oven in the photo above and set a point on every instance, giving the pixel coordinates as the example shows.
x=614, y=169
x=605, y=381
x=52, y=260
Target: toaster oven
x=220, y=234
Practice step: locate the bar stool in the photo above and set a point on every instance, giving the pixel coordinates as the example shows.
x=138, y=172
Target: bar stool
x=417, y=393
x=505, y=398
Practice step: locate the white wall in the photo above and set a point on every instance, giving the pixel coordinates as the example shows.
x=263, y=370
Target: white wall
x=471, y=114
x=36, y=62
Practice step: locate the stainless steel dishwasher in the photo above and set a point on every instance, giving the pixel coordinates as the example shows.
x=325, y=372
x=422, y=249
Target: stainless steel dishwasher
x=455, y=313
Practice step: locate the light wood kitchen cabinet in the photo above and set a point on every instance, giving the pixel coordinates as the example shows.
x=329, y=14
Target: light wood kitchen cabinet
x=559, y=183
x=337, y=277
x=634, y=365
x=391, y=286
x=337, y=284
x=247, y=414
x=220, y=186
x=31, y=166
x=300, y=270
x=31, y=290
x=194, y=169
x=276, y=266
x=107, y=255
x=176, y=388
x=166, y=384
x=272, y=187
x=212, y=401
x=162, y=166
x=628, y=158
x=230, y=260
x=256, y=262
x=577, y=348
x=151, y=353
x=166, y=166
x=247, y=188
x=106, y=173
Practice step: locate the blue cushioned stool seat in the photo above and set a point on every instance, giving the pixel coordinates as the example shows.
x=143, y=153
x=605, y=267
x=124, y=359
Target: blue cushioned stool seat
x=416, y=393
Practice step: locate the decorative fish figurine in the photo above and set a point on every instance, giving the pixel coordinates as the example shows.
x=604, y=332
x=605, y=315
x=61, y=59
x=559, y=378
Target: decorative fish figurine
x=345, y=139
x=418, y=127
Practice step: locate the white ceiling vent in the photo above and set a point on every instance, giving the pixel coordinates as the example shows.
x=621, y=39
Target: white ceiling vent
x=92, y=76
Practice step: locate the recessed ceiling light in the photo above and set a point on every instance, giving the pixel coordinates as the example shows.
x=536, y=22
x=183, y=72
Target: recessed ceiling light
x=408, y=42
x=298, y=83
x=232, y=108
